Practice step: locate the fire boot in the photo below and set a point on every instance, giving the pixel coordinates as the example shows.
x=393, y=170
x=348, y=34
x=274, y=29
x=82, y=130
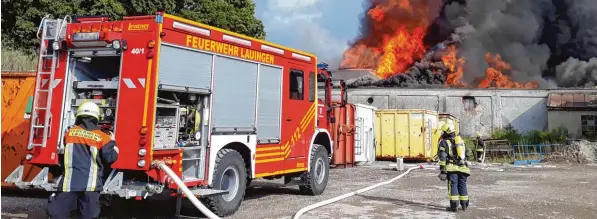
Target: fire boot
x=452, y=209
x=453, y=206
x=464, y=204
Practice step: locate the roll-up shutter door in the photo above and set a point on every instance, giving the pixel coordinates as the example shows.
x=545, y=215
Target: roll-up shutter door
x=269, y=103
x=184, y=67
x=234, y=94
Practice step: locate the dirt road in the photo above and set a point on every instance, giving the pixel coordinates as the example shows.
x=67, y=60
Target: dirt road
x=496, y=192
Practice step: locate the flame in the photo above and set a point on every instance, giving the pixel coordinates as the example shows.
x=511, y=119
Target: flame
x=401, y=50
x=395, y=40
x=455, y=66
x=495, y=76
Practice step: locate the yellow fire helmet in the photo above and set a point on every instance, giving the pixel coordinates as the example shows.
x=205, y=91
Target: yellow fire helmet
x=448, y=128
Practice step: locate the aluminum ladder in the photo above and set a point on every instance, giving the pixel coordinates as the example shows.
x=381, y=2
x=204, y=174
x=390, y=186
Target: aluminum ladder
x=50, y=29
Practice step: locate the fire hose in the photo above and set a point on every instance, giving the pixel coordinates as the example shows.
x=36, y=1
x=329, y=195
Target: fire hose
x=298, y=214
x=162, y=166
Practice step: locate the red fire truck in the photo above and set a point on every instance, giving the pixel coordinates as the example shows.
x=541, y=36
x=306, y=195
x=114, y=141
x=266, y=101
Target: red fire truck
x=218, y=108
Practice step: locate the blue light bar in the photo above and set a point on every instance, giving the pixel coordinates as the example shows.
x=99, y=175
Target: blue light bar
x=322, y=65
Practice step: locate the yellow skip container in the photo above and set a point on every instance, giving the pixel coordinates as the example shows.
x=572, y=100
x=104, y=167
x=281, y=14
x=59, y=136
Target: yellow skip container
x=407, y=133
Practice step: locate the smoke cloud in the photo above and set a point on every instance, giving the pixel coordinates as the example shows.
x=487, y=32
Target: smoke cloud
x=552, y=43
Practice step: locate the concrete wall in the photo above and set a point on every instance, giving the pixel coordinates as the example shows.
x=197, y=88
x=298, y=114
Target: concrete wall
x=478, y=109
x=569, y=119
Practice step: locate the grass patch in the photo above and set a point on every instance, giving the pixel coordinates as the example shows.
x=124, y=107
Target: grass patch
x=17, y=61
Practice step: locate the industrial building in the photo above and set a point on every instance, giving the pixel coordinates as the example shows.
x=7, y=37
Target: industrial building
x=479, y=110
x=577, y=112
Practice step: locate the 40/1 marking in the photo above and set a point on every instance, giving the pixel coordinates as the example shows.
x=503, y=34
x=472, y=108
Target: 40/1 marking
x=137, y=51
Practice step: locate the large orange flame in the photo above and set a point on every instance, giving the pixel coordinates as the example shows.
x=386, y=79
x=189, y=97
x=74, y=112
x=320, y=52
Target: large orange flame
x=495, y=76
x=396, y=38
x=455, y=66
x=395, y=42
x=400, y=52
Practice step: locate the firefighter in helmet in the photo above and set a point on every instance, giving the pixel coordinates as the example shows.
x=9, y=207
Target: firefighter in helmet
x=480, y=148
x=454, y=167
x=87, y=150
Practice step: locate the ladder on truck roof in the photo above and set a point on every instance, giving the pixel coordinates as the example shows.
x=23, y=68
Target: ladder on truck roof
x=51, y=30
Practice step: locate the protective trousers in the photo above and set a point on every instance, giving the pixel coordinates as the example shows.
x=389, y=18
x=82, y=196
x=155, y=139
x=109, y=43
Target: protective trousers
x=457, y=190
x=61, y=205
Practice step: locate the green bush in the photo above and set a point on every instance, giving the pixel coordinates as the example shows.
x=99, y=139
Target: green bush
x=554, y=136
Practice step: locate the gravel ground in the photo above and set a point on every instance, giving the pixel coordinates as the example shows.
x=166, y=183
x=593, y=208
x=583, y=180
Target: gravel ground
x=495, y=192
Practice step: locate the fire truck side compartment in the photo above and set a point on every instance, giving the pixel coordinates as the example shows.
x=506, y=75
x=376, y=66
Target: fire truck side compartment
x=184, y=67
x=93, y=79
x=269, y=105
x=235, y=95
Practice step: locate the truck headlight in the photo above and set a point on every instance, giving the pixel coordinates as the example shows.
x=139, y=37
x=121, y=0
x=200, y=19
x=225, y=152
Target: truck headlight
x=142, y=152
x=141, y=163
x=56, y=45
x=116, y=44
x=28, y=156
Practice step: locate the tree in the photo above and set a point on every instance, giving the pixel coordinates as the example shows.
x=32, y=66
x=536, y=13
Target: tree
x=20, y=18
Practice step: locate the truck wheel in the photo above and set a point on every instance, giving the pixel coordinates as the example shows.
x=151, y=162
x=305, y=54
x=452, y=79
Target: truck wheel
x=230, y=175
x=317, y=178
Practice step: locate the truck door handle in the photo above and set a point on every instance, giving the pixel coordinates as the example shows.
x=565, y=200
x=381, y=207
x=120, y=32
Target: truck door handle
x=288, y=119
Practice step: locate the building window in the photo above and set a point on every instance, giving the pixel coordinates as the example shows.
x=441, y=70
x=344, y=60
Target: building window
x=297, y=79
x=469, y=102
x=589, y=127
x=312, y=86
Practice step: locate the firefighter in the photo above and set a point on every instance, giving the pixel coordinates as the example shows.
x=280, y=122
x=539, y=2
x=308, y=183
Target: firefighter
x=454, y=167
x=87, y=150
x=480, y=148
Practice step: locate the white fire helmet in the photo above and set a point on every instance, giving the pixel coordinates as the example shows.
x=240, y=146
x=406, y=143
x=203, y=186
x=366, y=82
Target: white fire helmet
x=89, y=109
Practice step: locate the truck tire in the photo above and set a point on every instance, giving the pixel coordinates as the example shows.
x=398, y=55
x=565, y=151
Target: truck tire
x=317, y=178
x=229, y=174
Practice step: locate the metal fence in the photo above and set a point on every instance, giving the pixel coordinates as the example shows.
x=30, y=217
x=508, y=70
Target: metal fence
x=534, y=153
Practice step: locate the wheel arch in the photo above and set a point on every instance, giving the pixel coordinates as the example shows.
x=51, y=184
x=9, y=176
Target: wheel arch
x=321, y=137
x=244, y=151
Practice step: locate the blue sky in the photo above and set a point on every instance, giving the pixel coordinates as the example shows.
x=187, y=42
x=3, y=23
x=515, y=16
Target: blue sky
x=323, y=27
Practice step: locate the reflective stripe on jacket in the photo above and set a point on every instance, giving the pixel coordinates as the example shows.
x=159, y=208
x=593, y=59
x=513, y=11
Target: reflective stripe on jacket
x=85, y=154
x=449, y=158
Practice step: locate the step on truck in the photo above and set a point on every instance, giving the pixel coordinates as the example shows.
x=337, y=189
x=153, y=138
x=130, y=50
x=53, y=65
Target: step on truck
x=218, y=108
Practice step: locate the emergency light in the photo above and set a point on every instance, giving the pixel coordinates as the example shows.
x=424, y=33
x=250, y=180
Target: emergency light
x=322, y=65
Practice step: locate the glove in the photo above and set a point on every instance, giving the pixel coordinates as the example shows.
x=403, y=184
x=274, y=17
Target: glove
x=443, y=176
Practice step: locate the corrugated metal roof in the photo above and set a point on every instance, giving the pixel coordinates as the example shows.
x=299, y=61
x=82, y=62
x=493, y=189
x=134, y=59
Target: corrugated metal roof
x=572, y=100
x=348, y=74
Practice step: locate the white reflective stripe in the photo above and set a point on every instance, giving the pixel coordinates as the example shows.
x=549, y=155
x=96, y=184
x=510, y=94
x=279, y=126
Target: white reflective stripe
x=142, y=82
x=272, y=49
x=129, y=83
x=43, y=82
x=68, y=158
x=55, y=83
x=236, y=40
x=92, y=177
x=301, y=57
x=192, y=29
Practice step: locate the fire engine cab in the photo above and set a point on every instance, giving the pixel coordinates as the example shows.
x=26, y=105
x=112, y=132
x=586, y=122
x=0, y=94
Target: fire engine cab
x=215, y=108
